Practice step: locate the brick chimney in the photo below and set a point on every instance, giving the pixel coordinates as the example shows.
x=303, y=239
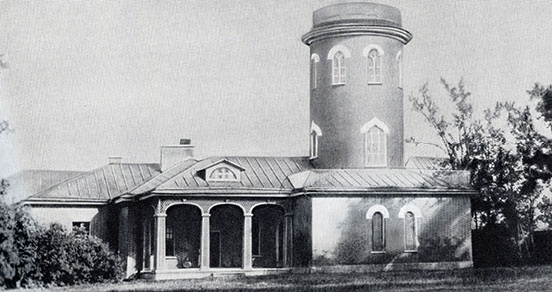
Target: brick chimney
x=173, y=154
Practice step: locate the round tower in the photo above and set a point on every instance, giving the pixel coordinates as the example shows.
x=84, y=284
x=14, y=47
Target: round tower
x=356, y=100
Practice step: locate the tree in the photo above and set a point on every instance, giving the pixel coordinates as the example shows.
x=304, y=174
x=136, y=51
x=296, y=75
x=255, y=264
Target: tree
x=506, y=168
x=472, y=144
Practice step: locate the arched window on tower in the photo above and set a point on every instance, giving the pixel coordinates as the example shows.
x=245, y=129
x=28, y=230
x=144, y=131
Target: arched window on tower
x=378, y=232
x=314, y=71
x=338, y=68
x=315, y=133
x=374, y=67
x=375, y=143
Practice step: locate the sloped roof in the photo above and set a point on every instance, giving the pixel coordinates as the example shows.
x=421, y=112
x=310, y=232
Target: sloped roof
x=424, y=162
x=101, y=184
x=31, y=181
x=379, y=180
x=260, y=173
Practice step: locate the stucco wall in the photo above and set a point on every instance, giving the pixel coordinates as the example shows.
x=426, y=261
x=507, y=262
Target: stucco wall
x=100, y=218
x=341, y=110
x=341, y=233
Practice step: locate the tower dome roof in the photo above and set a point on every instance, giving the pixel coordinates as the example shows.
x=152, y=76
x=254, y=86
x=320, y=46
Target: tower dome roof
x=360, y=12
x=357, y=18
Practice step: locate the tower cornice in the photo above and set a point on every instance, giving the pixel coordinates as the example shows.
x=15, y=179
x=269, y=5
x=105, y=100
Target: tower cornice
x=348, y=29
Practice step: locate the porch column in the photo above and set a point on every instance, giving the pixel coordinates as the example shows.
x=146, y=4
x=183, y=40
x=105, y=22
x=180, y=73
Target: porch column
x=247, y=249
x=160, y=221
x=288, y=240
x=205, y=233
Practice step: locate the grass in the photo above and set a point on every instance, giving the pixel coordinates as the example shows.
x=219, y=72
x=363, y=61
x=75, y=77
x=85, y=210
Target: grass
x=535, y=278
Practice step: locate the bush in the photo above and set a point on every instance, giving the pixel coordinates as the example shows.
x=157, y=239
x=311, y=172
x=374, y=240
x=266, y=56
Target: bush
x=76, y=258
x=31, y=255
x=19, y=235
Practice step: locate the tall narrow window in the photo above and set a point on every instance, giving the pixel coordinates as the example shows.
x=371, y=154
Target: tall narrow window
x=314, y=71
x=410, y=232
x=314, y=134
x=338, y=68
x=399, y=65
x=375, y=141
x=314, y=145
x=378, y=232
x=169, y=242
x=374, y=67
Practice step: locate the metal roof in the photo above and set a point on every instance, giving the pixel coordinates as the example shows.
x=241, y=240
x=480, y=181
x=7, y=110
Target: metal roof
x=260, y=173
x=101, y=184
x=31, y=181
x=380, y=180
x=423, y=162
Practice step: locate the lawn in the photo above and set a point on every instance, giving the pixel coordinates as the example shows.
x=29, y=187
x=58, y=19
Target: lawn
x=499, y=279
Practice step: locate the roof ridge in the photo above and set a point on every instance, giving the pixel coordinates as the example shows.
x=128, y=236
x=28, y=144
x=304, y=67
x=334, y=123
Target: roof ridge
x=161, y=173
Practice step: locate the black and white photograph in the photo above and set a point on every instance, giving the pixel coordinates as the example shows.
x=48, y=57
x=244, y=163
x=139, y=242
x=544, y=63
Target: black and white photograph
x=263, y=145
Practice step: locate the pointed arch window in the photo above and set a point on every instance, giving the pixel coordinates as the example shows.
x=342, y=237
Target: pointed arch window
x=338, y=69
x=315, y=133
x=374, y=67
x=375, y=143
x=374, y=58
x=314, y=71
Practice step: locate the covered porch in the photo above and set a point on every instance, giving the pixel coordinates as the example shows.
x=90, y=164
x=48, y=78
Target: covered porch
x=194, y=238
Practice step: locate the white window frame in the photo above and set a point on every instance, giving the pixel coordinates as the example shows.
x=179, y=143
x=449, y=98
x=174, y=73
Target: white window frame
x=314, y=71
x=371, y=75
x=365, y=130
x=339, y=70
x=417, y=215
x=315, y=133
x=400, y=68
x=223, y=179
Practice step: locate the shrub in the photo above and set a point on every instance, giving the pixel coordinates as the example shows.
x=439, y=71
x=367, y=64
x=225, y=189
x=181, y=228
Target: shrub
x=31, y=255
x=76, y=258
x=19, y=235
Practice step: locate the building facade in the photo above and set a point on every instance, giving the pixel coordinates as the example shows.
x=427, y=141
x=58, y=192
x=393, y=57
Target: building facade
x=351, y=205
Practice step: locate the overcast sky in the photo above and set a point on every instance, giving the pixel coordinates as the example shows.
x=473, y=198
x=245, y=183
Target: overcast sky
x=90, y=79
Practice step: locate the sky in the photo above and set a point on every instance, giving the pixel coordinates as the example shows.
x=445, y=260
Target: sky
x=92, y=79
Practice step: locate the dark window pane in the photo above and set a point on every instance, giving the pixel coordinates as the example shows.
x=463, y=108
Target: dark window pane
x=378, y=241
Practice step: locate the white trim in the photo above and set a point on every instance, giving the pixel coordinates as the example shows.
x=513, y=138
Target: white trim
x=377, y=208
x=315, y=128
x=183, y=203
x=267, y=203
x=410, y=208
x=339, y=48
x=368, y=48
x=374, y=122
x=398, y=58
x=226, y=203
x=315, y=58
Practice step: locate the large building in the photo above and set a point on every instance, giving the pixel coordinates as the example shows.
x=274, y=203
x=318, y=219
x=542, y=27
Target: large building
x=351, y=205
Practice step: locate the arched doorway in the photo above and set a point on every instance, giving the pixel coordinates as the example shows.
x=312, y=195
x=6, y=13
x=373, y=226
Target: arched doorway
x=226, y=237
x=267, y=236
x=183, y=236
